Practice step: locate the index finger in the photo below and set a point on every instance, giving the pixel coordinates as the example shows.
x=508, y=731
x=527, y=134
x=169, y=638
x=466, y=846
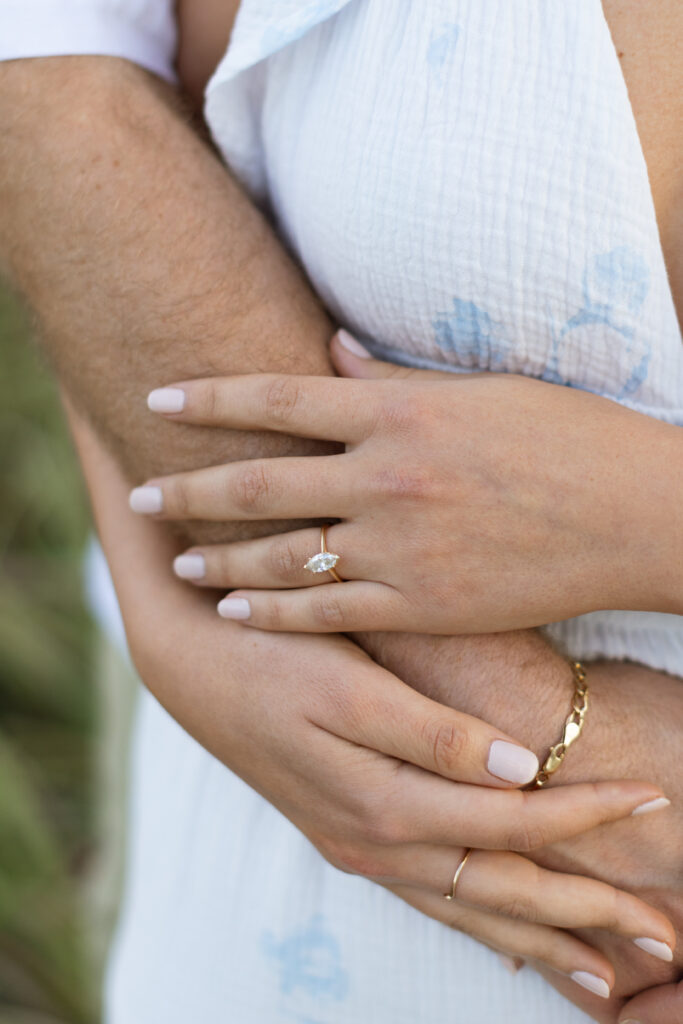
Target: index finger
x=383, y=713
x=429, y=809
x=326, y=408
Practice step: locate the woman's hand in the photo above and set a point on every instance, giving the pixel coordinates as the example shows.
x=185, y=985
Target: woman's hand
x=659, y=1005
x=635, y=720
x=468, y=503
x=362, y=764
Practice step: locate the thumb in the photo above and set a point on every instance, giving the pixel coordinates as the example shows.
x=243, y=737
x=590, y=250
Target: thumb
x=350, y=359
x=662, y=1005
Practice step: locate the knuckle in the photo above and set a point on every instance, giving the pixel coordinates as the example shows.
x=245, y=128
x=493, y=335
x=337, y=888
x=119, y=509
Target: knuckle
x=518, y=906
x=347, y=705
x=614, y=908
x=409, y=483
x=447, y=744
x=414, y=414
x=207, y=399
x=270, y=614
x=284, y=562
x=398, y=415
x=378, y=821
x=526, y=836
x=219, y=564
x=356, y=859
x=334, y=851
x=282, y=396
x=251, y=489
x=385, y=828
x=326, y=608
x=177, y=497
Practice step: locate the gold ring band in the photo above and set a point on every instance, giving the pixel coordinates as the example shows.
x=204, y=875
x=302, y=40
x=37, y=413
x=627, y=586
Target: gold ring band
x=325, y=560
x=456, y=877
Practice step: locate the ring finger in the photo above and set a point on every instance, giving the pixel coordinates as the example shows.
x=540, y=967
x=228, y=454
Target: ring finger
x=514, y=886
x=278, y=562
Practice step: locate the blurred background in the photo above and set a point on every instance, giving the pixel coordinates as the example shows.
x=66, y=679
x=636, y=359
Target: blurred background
x=58, y=864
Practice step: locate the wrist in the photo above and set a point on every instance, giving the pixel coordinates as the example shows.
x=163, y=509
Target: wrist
x=615, y=742
x=515, y=681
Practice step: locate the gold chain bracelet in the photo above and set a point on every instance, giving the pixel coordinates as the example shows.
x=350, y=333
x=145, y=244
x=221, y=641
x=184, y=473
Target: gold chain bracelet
x=572, y=727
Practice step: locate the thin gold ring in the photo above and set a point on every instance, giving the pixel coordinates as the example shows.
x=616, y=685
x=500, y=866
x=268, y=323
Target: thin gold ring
x=458, y=871
x=325, y=560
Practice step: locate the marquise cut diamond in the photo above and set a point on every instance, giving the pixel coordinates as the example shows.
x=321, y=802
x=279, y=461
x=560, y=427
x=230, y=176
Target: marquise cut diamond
x=322, y=562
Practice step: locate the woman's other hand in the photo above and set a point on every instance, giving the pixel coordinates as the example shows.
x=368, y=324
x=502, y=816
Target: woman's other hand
x=363, y=766
x=635, y=720
x=662, y=1005
x=468, y=503
x=366, y=767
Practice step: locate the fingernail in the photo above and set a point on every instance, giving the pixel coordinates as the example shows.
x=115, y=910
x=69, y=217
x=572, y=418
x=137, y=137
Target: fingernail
x=652, y=805
x=147, y=500
x=591, y=981
x=631, y=1020
x=351, y=345
x=166, y=400
x=656, y=948
x=234, y=608
x=512, y=763
x=190, y=567
x=508, y=963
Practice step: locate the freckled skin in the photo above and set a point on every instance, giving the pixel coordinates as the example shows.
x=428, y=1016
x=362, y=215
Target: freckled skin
x=180, y=173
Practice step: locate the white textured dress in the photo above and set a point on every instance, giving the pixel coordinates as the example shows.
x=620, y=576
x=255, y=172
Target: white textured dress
x=463, y=182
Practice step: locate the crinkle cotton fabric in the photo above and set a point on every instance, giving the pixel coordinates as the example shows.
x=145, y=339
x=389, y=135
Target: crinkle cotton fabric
x=464, y=184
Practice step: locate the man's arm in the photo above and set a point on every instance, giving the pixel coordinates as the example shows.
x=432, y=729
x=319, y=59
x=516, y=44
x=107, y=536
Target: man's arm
x=145, y=264
x=142, y=259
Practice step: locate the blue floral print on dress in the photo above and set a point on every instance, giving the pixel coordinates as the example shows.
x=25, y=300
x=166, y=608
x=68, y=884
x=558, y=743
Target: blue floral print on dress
x=442, y=44
x=311, y=975
x=472, y=334
x=602, y=338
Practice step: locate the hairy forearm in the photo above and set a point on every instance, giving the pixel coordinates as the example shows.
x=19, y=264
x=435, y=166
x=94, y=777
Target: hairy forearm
x=143, y=261
x=145, y=264
x=513, y=680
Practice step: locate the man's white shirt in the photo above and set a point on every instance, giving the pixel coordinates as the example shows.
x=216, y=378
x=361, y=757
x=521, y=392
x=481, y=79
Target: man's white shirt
x=142, y=31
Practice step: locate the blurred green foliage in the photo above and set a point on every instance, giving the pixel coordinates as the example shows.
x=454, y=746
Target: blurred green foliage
x=46, y=697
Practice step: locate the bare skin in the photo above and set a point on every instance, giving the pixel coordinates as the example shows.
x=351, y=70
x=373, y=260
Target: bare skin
x=186, y=313
x=371, y=845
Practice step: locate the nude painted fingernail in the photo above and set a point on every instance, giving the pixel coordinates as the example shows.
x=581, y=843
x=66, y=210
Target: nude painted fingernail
x=146, y=500
x=166, y=400
x=234, y=608
x=512, y=763
x=592, y=982
x=190, y=567
x=508, y=963
x=652, y=805
x=351, y=345
x=656, y=948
